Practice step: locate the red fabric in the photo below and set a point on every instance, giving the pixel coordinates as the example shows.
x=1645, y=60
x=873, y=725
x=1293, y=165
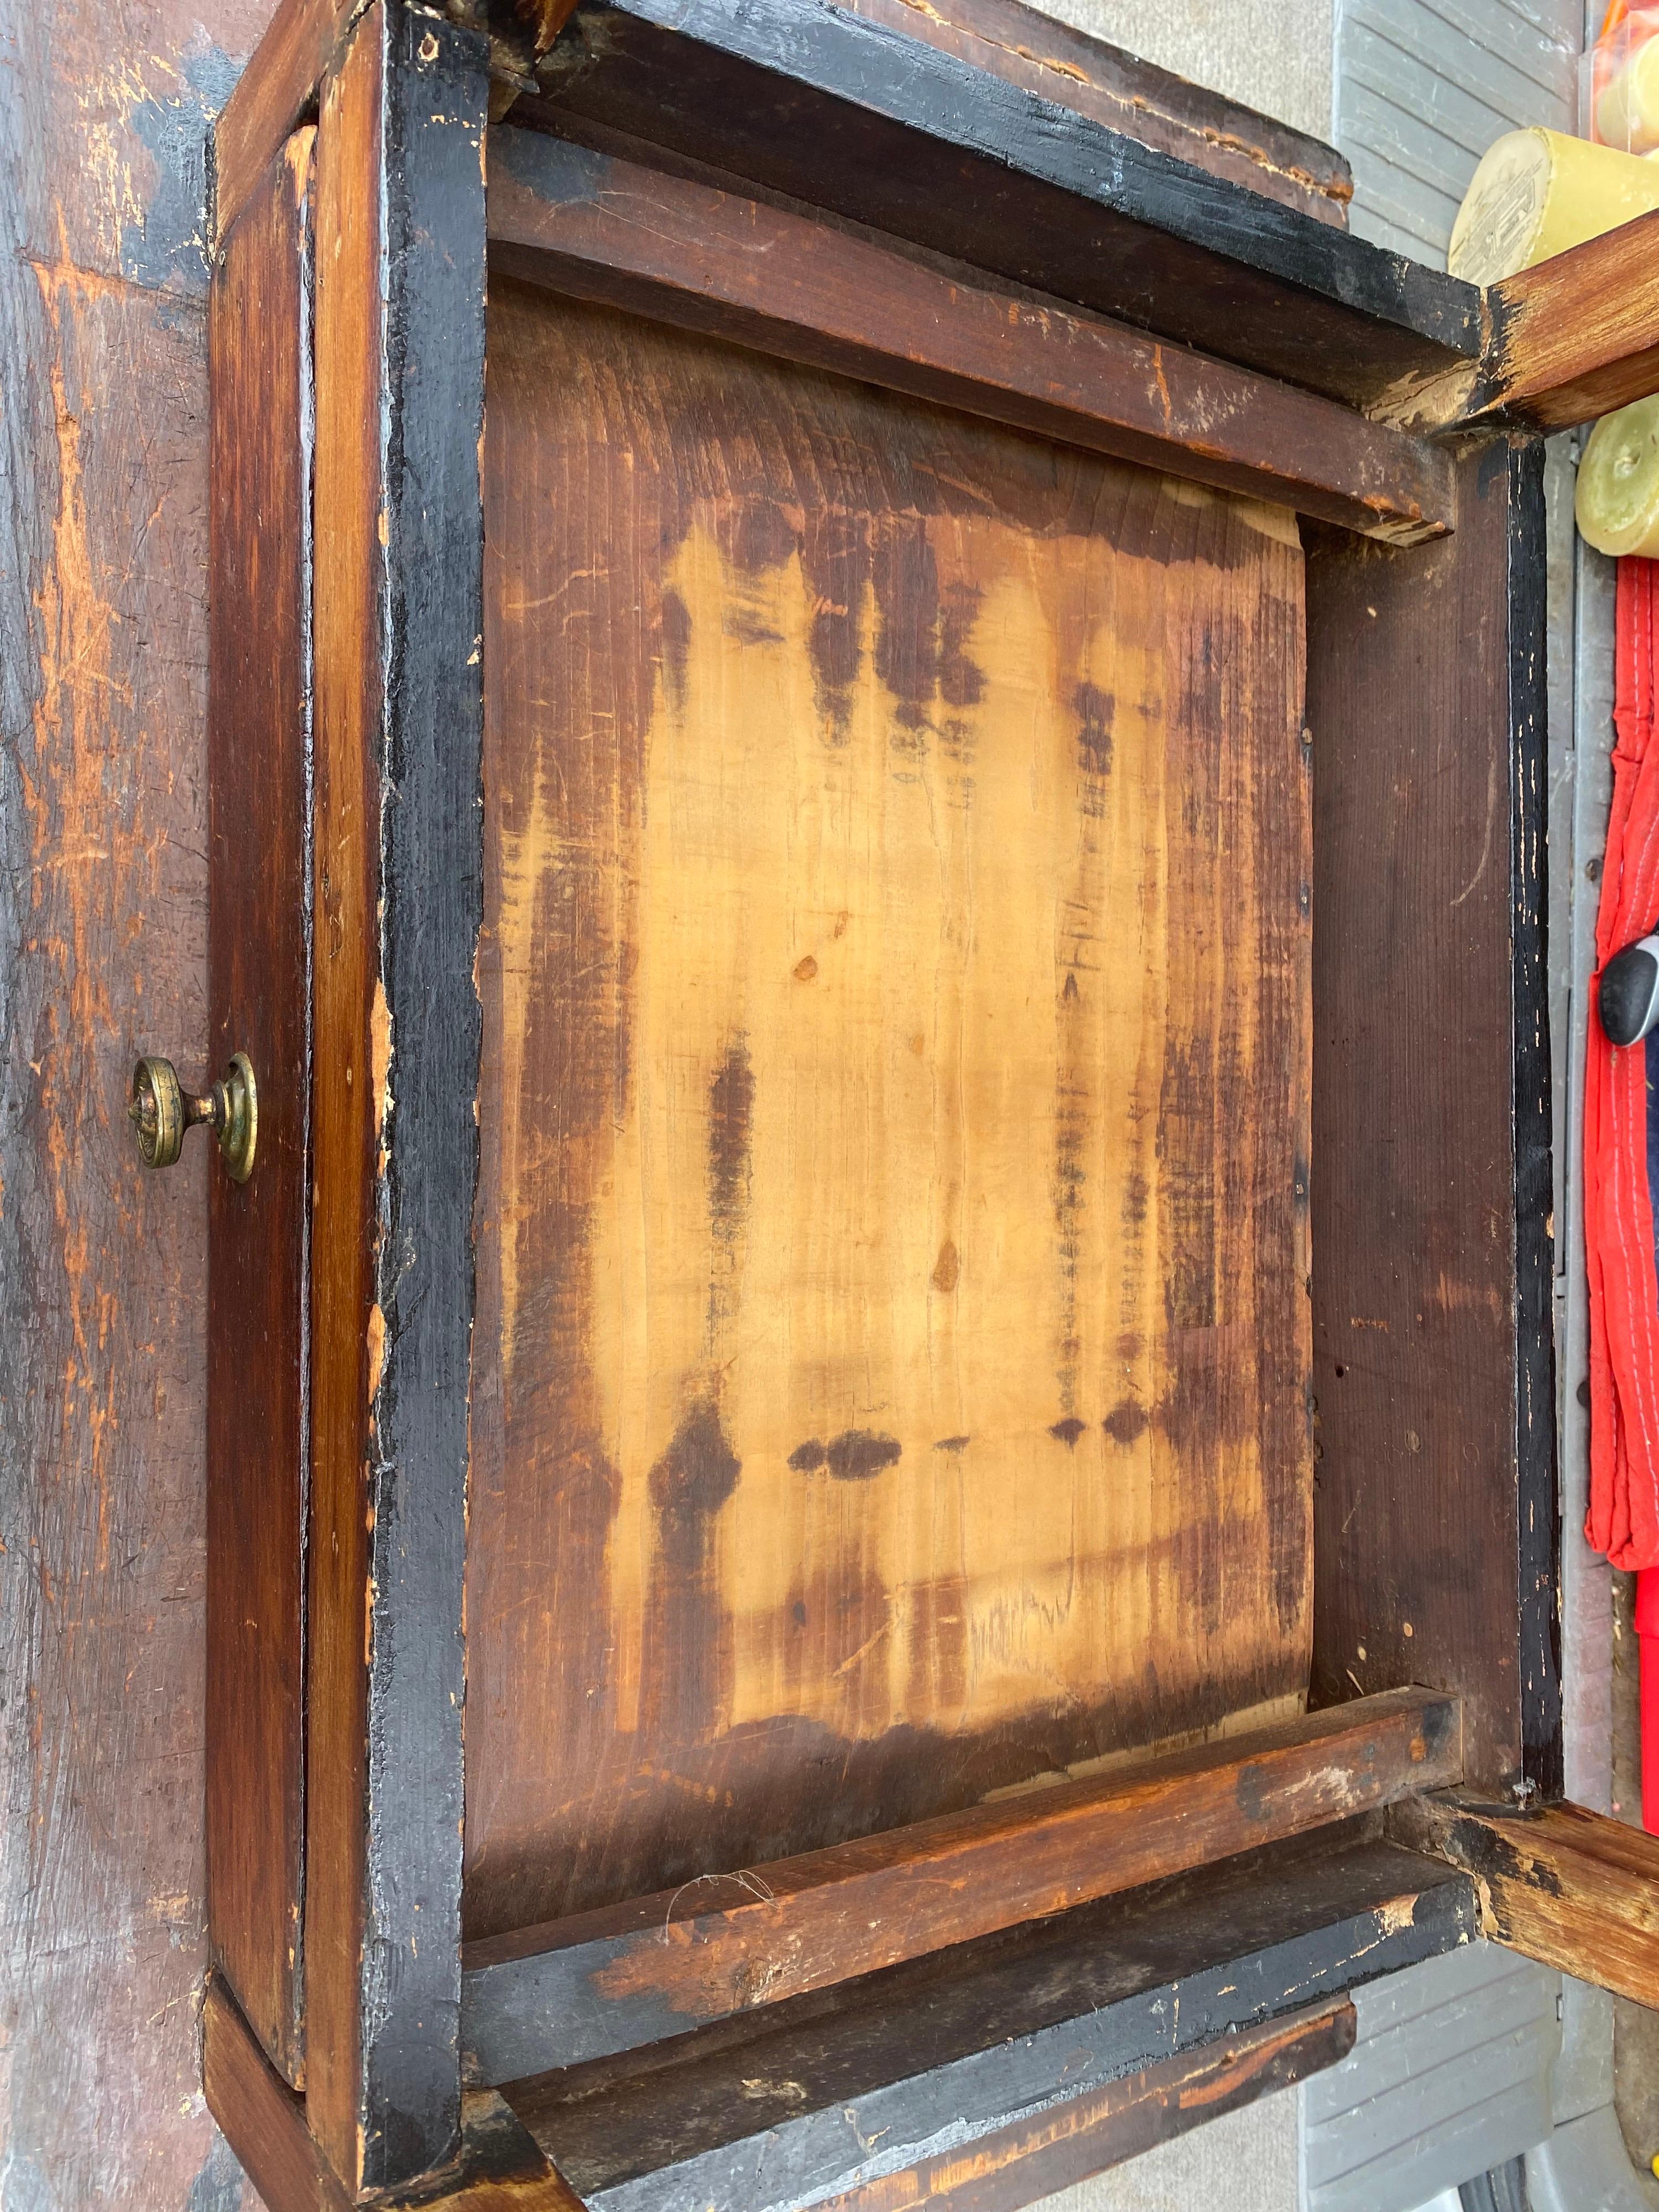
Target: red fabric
x=1624, y=1291
x=1647, y=1644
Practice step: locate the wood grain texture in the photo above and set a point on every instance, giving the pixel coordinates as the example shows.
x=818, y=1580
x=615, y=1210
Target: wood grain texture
x=1070, y=67
x=399, y=340
x=841, y=111
x=1435, y=1495
x=259, y=1003
x=1035, y=2157
x=825, y=2095
x=103, y=914
x=274, y=94
x=1572, y=1888
x=892, y=1337
x=498, y=2168
x=1571, y=339
x=608, y=230
x=610, y=1981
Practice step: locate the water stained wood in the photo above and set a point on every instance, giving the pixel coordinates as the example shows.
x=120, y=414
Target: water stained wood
x=880, y=1093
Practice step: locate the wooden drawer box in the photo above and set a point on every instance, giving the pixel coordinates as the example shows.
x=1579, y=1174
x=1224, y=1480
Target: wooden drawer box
x=885, y=1384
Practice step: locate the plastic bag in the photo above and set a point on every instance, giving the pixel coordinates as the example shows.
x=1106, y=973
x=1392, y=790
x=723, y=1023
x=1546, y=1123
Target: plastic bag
x=1621, y=79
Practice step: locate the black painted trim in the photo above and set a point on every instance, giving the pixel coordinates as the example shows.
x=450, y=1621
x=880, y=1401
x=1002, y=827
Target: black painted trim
x=866, y=2082
x=1538, y=1502
x=804, y=98
x=431, y=873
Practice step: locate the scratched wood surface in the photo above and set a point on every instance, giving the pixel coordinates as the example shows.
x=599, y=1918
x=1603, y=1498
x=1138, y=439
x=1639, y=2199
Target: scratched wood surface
x=103, y=912
x=892, y=1352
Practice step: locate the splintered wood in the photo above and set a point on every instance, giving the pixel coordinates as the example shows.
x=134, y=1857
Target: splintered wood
x=890, y=1381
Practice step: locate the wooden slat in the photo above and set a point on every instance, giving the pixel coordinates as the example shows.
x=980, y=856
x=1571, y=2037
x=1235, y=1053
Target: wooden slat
x=616, y=232
x=1434, y=1517
x=1578, y=336
x=1571, y=339
x=846, y=114
x=609, y=1980
x=274, y=94
x=826, y=2095
x=399, y=341
x=1075, y=70
x=1569, y=1887
x=259, y=677
x=1036, y=2157
x=499, y=2168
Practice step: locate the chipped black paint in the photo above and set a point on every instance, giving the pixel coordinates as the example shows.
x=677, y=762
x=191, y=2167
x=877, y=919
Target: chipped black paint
x=434, y=102
x=1031, y=2014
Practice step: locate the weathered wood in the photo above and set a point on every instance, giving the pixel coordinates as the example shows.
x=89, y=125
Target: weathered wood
x=892, y=1375
x=614, y=232
x=844, y=113
x=1569, y=1887
x=1571, y=339
x=825, y=2095
x=605, y=1982
x=1075, y=69
x=1057, y=2149
x=1435, y=1499
x=103, y=954
x=498, y=2168
x=399, y=350
x=259, y=1003
x=302, y=41
x=275, y=93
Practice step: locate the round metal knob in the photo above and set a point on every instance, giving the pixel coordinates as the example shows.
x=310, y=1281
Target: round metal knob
x=160, y=1111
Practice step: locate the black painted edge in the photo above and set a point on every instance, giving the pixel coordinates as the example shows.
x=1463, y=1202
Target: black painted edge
x=435, y=112
x=1007, y=132
x=1538, y=1502
x=793, y=2152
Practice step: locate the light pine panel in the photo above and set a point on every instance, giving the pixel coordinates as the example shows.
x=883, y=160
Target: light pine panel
x=891, y=1371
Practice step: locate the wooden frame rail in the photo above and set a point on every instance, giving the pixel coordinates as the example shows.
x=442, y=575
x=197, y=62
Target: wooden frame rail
x=1572, y=338
x=797, y=285
x=1567, y=1886
x=613, y=1980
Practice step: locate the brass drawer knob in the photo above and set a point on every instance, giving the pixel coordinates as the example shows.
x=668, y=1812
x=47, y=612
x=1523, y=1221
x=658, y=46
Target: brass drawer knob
x=161, y=1110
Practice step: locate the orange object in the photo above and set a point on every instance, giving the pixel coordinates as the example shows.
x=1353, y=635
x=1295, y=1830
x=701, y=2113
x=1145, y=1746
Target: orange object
x=1619, y=105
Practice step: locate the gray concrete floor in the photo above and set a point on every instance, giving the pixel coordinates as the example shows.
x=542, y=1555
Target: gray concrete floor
x=1274, y=55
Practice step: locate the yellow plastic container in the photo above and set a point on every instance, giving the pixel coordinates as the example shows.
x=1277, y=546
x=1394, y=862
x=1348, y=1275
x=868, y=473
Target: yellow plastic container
x=1617, y=501
x=1537, y=193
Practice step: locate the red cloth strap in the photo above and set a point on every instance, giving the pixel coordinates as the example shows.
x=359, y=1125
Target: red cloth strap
x=1624, y=1290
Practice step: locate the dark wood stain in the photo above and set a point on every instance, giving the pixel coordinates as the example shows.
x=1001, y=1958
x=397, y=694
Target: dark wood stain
x=259, y=1378
x=1428, y=1305
x=730, y=1107
x=857, y=1454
